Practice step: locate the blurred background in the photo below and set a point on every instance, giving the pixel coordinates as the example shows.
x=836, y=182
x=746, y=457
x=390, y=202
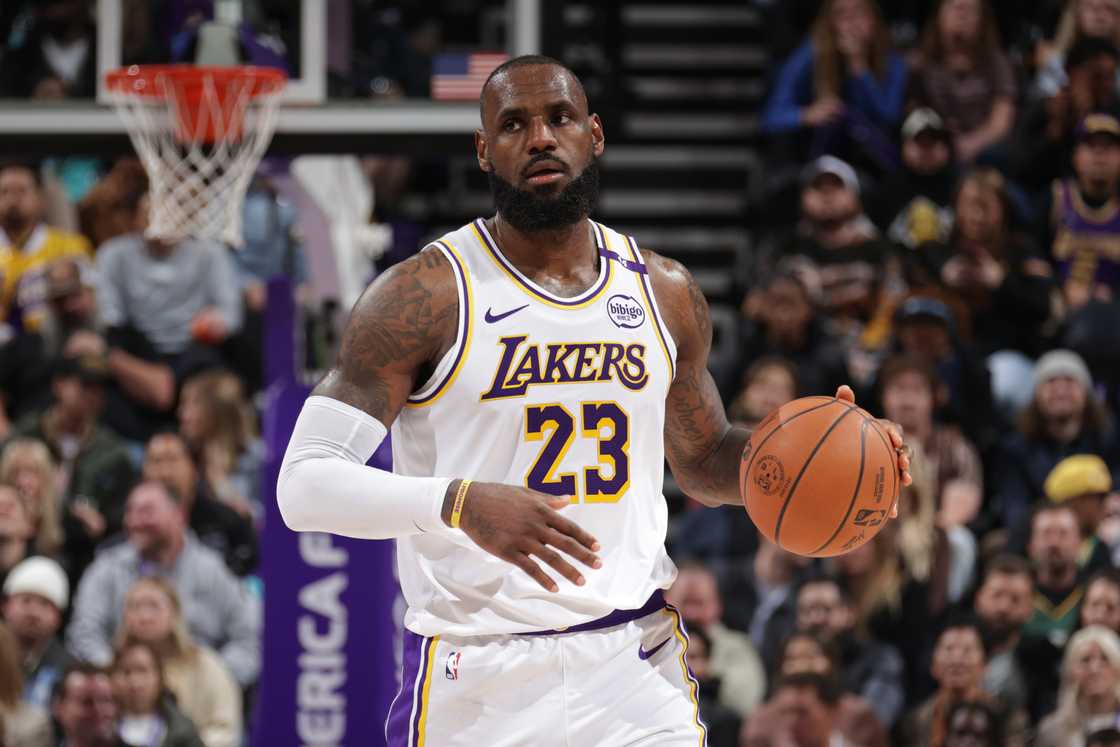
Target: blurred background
x=918, y=198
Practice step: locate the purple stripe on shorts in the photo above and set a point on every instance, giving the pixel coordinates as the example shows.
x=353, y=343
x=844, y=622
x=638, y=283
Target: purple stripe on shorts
x=407, y=703
x=618, y=617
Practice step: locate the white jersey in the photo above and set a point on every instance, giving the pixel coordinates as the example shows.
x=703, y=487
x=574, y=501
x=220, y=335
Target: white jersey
x=562, y=395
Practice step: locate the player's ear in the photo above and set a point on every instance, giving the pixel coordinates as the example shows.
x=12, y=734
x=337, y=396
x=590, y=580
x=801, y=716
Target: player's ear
x=598, y=139
x=481, y=151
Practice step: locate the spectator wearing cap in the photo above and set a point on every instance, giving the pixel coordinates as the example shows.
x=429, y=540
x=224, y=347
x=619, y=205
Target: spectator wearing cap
x=914, y=205
x=840, y=252
x=92, y=460
x=1046, y=134
x=997, y=277
x=1085, y=213
x=782, y=316
x=965, y=76
x=926, y=329
x=843, y=89
x=218, y=609
x=1083, y=481
x=910, y=391
x=1064, y=418
x=36, y=594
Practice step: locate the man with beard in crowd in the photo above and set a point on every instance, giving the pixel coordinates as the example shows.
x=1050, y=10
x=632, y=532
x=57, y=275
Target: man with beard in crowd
x=1004, y=604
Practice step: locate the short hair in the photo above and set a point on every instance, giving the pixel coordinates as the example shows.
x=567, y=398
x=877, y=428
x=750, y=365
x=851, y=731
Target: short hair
x=825, y=687
x=169, y=491
x=1009, y=565
x=178, y=436
x=964, y=620
x=527, y=60
x=1048, y=507
x=842, y=589
x=29, y=166
x=772, y=361
x=900, y=364
x=58, y=692
x=1103, y=738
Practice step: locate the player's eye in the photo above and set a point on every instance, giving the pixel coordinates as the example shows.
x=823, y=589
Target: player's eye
x=562, y=118
x=511, y=125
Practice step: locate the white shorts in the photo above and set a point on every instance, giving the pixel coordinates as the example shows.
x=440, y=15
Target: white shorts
x=622, y=684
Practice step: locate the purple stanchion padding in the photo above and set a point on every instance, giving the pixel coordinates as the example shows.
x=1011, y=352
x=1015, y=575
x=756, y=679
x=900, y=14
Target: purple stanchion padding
x=329, y=672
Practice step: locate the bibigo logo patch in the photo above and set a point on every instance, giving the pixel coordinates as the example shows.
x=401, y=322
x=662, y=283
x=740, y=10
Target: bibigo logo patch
x=625, y=311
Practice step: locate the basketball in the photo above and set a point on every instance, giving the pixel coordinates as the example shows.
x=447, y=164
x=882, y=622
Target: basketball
x=819, y=476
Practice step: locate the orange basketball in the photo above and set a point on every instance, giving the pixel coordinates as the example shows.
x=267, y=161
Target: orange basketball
x=819, y=476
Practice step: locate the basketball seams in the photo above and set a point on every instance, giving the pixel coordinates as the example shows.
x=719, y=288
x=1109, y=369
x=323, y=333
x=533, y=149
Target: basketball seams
x=804, y=467
x=855, y=493
x=890, y=450
x=776, y=428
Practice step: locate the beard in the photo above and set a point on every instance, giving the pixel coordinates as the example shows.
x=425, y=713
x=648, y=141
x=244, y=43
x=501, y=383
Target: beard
x=998, y=632
x=533, y=211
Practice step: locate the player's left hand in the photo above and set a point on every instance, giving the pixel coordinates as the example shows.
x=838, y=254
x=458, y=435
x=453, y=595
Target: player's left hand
x=894, y=430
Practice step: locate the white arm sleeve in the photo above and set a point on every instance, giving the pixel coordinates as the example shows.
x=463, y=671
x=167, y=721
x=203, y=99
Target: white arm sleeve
x=325, y=485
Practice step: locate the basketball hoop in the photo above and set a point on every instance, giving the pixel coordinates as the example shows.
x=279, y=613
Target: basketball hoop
x=200, y=133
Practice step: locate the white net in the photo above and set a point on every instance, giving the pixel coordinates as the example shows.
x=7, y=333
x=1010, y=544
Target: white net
x=200, y=133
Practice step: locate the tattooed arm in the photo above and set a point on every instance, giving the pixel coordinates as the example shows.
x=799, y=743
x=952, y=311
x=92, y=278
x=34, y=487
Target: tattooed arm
x=400, y=328
x=702, y=447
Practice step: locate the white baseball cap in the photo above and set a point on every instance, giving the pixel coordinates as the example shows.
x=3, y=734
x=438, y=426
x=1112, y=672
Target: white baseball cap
x=42, y=576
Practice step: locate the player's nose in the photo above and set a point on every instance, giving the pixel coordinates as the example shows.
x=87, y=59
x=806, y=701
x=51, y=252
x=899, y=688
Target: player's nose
x=541, y=136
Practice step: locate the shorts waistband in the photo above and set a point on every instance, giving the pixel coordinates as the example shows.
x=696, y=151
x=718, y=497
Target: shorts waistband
x=618, y=617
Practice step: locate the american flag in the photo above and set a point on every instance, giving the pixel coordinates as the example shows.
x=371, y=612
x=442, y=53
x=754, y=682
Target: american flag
x=459, y=77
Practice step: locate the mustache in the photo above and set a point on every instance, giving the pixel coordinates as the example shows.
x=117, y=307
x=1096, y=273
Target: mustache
x=544, y=158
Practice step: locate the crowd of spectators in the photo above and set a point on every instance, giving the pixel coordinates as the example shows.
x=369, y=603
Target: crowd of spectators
x=940, y=227
x=130, y=472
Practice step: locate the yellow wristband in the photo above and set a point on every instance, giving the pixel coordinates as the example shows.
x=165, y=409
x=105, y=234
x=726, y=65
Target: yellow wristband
x=457, y=507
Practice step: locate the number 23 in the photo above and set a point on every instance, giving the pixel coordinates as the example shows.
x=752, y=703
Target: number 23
x=559, y=424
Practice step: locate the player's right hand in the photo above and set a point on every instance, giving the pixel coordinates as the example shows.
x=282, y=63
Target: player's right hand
x=522, y=526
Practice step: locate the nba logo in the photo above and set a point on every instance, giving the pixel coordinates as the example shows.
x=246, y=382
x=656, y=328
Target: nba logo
x=452, y=669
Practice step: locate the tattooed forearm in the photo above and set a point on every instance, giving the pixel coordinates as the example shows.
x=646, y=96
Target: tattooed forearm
x=701, y=446
x=403, y=322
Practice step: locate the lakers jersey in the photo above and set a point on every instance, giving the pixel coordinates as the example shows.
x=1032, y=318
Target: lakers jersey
x=23, y=271
x=1086, y=240
x=565, y=396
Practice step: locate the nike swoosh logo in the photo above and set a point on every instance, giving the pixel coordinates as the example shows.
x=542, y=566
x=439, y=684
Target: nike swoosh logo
x=643, y=654
x=491, y=317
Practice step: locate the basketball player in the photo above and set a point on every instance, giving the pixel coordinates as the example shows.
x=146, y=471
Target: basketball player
x=535, y=369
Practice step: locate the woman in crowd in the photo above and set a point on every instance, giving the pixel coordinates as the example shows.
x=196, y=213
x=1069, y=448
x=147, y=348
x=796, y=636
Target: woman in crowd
x=999, y=278
x=200, y=682
x=24, y=725
x=1090, y=694
x=965, y=77
x=149, y=716
x=26, y=464
x=17, y=537
x=217, y=422
x=1101, y=603
x=845, y=85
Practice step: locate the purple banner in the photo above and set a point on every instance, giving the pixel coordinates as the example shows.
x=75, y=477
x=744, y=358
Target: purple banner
x=329, y=670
